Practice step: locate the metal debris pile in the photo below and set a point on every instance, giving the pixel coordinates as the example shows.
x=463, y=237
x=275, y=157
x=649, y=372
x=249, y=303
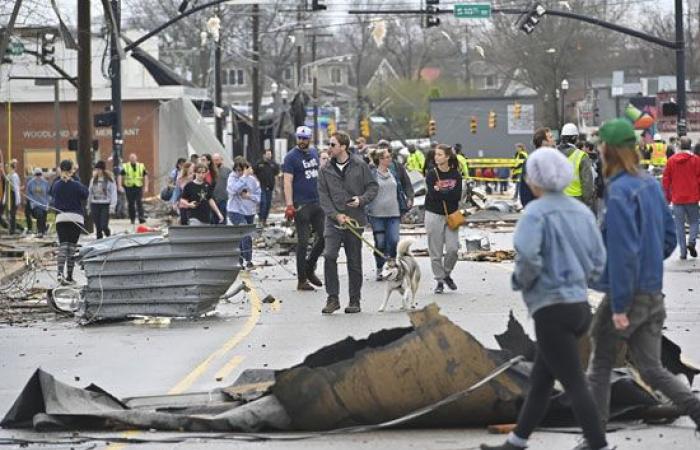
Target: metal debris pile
x=182, y=273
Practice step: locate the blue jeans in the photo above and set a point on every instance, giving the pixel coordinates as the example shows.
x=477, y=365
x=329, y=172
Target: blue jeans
x=222, y=209
x=689, y=212
x=247, y=242
x=265, y=204
x=386, y=237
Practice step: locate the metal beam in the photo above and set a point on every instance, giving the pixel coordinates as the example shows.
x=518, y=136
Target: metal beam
x=550, y=12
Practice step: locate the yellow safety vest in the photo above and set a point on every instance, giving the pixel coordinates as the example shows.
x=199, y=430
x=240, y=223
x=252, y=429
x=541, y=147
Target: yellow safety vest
x=658, y=154
x=518, y=170
x=463, y=166
x=415, y=161
x=575, y=189
x=134, y=176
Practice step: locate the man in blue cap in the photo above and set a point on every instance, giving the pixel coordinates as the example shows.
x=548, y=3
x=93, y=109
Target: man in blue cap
x=300, y=169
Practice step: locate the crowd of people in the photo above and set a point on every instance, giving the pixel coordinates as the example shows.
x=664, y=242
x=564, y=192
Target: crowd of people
x=595, y=217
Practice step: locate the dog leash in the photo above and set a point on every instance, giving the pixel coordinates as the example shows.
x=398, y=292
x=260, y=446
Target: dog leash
x=352, y=226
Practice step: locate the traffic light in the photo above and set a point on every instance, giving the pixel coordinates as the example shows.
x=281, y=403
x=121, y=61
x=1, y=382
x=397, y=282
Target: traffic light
x=47, y=48
x=517, y=110
x=317, y=6
x=431, y=8
x=474, y=124
x=364, y=128
x=492, y=119
x=529, y=20
x=432, y=128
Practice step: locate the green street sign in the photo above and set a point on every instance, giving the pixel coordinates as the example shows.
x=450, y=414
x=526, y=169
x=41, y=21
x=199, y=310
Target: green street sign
x=15, y=48
x=472, y=10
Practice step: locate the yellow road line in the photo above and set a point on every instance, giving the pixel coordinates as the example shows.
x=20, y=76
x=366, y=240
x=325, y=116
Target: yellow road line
x=228, y=368
x=255, y=307
x=192, y=377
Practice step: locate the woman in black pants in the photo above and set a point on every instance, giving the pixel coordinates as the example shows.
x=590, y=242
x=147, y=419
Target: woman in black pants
x=68, y=196
x=102, y=198
x=559, y=252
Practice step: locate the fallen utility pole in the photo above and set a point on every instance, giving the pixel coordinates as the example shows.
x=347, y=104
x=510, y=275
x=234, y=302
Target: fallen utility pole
x=678, y=45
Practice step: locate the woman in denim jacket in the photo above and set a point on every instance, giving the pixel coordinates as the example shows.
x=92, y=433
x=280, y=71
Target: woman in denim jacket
x=559, y=252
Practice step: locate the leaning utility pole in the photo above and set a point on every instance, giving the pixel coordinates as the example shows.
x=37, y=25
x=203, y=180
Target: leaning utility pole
x=84, y=92
x=255, y=153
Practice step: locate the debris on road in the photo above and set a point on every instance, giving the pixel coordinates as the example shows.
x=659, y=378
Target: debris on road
x=392, y=374
x=479, y=256
x=488, y=256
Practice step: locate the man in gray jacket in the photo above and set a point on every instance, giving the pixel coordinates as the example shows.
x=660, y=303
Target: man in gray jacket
x=345, y=187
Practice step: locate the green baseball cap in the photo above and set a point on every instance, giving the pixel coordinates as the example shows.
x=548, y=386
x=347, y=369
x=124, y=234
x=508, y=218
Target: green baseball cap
x=617, y=132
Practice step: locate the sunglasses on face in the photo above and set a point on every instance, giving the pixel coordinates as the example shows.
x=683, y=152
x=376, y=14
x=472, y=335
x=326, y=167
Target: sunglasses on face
x=334, y=144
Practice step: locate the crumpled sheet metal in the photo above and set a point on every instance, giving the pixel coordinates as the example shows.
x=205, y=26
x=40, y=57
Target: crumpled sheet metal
x=395, y=372
x=47, y=404
x=388, y=375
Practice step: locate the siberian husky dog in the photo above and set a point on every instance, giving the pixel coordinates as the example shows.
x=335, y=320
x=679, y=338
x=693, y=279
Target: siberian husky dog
x=401, y=274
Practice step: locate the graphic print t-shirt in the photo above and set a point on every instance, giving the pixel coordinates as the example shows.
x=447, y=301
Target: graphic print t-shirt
x=200, y=193
x=304, y=167
x=449, y=191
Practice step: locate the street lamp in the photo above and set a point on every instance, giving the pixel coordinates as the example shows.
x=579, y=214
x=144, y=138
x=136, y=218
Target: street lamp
x=564, y=88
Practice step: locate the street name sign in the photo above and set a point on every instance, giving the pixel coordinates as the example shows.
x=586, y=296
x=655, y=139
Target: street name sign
x=472, y=10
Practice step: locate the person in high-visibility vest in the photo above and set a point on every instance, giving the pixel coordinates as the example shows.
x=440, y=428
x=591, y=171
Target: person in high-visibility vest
x=658, y=151
x=134, y=180
x=517, y=174
x=462, y=161
x=416, y=159
x=583, y=185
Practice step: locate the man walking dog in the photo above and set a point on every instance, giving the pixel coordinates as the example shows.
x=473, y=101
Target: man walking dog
x=345, y=187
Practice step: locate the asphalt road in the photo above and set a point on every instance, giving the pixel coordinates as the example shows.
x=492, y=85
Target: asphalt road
x=132, y=359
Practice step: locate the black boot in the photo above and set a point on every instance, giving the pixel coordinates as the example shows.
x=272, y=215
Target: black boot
x=353, y=307
x=332, y=305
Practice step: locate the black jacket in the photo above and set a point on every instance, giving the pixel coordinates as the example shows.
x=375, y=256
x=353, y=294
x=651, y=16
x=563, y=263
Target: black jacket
x=267, y=171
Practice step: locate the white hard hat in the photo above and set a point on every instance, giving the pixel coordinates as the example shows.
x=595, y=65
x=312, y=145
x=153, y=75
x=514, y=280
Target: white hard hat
x=657, y=137
x=304, y=132
x=569, y=129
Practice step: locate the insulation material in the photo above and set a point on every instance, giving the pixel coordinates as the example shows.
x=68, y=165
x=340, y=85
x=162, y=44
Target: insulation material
x=394, y=372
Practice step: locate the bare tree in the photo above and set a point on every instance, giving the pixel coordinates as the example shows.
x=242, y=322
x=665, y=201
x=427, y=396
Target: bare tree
x=558, y=49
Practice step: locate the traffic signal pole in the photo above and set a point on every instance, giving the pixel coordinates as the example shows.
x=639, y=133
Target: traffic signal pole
x=681, y=126
x=115, y=75
x=678, y=45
